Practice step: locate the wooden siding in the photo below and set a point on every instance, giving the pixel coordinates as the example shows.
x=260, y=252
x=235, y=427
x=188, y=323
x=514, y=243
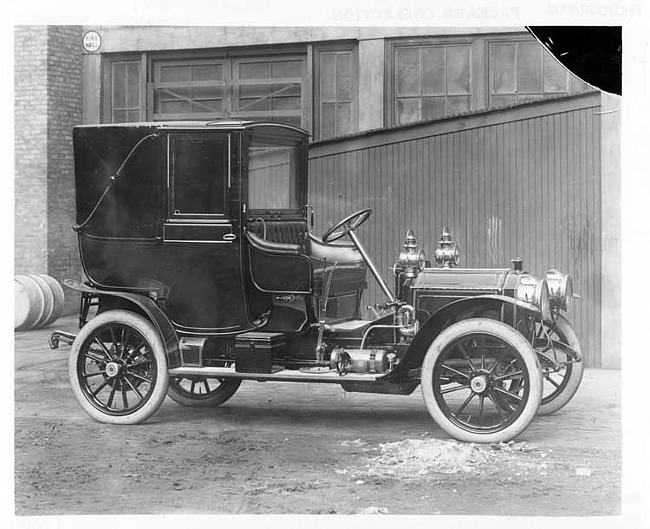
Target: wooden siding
x=522, y=181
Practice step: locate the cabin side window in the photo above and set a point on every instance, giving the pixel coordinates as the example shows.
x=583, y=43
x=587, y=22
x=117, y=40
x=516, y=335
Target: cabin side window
x=274, y=166
x=199, y=174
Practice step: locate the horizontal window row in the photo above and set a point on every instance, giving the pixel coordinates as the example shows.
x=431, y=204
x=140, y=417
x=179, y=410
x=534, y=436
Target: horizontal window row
x=424, y=79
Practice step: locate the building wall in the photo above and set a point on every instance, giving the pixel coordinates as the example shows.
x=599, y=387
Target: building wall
x=610, y=118
x=30, y=149
x=519, y=182
x=47, y=106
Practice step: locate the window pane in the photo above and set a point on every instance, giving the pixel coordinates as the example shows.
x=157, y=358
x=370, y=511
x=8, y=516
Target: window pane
x=343, y=118
x=286, y=103
x=273, y=175
x=408, y=71
x=577, y=84
x=529, y=68
x=207, y=72
x=408, y=110
x=133, y=84
x=255, y=70
x=208, y=105
x=433, y=71
x=119, y=85
x=132, y=116
x=174, y=107
x=458, y=70
x=555, y=75
x=207, y=92
x=174, y=73
x=502, y=101
x=287, y=69
x=328, y=76
x=125, y=91
x=199, y=168
x=120, y=116
x=328, y=120
x=255, y=90
x=433, y=107
x=526, y=98
x=457, y=104
x=344, y=76
x=502, y=68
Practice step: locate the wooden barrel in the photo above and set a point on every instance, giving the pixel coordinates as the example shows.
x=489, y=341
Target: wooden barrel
x=58, y=298
x=29, y=303
x=38, y=301
x=48, y=298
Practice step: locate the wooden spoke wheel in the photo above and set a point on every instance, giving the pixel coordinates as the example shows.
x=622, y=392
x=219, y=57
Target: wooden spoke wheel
x=118, y=368
x=193, y=390
x=481, y=381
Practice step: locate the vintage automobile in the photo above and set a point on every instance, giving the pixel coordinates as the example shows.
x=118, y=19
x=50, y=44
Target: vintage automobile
x=201, y=271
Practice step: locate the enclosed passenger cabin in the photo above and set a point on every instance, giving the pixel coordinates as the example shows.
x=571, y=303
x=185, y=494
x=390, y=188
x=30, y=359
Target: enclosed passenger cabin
x=210, y=219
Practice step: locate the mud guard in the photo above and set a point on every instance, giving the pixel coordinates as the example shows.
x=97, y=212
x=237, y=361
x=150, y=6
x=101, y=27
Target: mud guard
x=456, y=311
x=150, y=310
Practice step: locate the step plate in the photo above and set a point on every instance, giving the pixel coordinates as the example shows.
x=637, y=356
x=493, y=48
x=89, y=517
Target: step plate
x=284, y=375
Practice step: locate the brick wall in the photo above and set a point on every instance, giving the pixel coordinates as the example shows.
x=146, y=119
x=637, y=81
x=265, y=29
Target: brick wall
x=30, y=149
x=63, y=113
x=47, y=105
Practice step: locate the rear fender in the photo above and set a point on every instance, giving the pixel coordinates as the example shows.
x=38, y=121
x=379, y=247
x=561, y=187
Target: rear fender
x=474, y=307
x=145, y=306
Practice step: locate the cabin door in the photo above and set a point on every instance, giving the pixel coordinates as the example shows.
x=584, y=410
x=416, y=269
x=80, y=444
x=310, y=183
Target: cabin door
x=202, y=236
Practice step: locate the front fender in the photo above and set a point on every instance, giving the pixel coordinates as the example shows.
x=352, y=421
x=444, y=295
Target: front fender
x=150, y=310
x=472, y=307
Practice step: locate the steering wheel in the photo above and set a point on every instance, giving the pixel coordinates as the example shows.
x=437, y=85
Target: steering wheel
x=345, y=226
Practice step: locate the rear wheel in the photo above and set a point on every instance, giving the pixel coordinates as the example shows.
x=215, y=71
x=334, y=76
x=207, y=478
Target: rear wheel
x=202, y=391
x=118, y=368
x=481, y=381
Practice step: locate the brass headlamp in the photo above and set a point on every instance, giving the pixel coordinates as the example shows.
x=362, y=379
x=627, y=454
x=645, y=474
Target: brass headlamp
x=447, y=254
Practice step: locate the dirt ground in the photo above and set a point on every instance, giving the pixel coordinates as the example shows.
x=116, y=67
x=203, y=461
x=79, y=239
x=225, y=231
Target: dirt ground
x=297, y=448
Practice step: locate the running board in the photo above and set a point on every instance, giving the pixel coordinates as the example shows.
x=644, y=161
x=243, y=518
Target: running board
x=284, y=375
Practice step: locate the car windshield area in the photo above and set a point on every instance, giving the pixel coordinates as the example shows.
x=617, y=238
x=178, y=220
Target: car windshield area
x=275, y=167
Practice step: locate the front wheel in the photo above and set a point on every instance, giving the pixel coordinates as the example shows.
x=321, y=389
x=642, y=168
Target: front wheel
x=481, y=381
x=118, y=368
x=202, y=391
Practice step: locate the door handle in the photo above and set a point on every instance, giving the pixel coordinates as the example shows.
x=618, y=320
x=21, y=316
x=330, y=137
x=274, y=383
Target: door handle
x=229, y=237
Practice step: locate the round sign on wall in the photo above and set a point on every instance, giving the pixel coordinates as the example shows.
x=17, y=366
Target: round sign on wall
x=91, y=41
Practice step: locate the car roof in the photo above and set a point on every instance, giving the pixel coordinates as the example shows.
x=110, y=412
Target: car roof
x=198, y=125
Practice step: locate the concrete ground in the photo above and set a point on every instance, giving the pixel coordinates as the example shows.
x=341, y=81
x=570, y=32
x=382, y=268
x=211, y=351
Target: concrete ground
x=280, y=448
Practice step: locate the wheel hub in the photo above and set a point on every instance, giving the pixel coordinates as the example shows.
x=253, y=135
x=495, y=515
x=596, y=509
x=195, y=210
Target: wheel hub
x=479, y=384
x=112, y=369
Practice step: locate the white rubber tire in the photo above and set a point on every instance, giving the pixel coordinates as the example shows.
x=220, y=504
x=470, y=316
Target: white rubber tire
x=575, y=376
x=216, y=397
x=505, y=333
x=155, y=396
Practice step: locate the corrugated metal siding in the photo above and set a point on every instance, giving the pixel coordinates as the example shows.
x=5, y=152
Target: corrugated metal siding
x=518, y=182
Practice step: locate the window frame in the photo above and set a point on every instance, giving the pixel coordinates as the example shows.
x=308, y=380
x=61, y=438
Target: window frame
x=301, y=176
x=229, y=57
x=171, y=187
x=339, y=47
x=573, y=83
x=390, y=85
x=107, y=109
x=190, y=62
